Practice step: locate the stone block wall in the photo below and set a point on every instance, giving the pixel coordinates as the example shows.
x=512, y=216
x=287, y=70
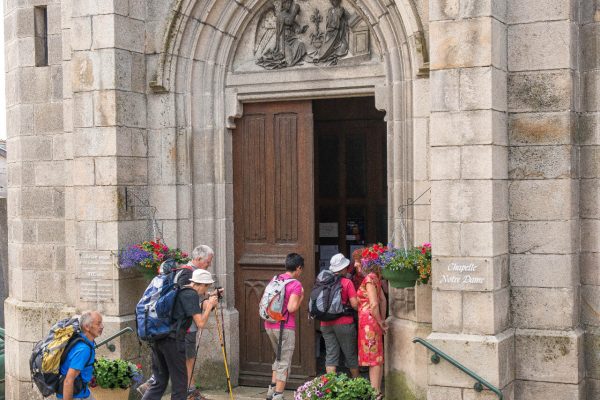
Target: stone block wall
x=543, y=196
x=36, y=186
x=589, y=163
x=469, y=207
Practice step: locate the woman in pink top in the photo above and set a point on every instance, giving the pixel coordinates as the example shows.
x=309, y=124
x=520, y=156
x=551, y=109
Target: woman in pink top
x=340, y=334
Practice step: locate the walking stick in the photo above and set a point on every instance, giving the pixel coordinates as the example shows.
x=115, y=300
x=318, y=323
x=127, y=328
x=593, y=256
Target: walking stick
x=195, y=358
x=222, y=340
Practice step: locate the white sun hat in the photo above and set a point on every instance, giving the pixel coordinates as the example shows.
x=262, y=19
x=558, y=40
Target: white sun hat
x=338, y=263
x=202, y=276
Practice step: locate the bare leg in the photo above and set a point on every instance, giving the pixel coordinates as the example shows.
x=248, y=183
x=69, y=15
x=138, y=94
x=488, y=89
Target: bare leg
x=189, y=363
x=354, y=372
x=330, y=369
x=375, y=375
x=279, y=385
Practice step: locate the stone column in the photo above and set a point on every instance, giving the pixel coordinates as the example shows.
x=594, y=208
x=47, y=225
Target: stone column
x=469, y=205
x=544, y=198
x=110, y=168
x=589, y=139
x=38, y=293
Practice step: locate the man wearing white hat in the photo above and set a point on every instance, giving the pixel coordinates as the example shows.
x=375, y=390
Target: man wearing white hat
x=340, y=334
x=168, y=355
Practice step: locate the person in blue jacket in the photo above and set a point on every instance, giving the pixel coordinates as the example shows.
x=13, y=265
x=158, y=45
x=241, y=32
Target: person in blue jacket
x=78, y=366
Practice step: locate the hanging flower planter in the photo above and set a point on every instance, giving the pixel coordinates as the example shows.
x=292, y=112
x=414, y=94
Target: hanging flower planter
x=402, y=268
x=403, y=278
x=147, y=257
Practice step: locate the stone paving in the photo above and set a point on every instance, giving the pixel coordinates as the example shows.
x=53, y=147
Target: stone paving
x=239, y=393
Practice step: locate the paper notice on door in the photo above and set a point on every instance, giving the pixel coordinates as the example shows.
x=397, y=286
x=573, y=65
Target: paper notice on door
x=328, y=229
x=327, y=251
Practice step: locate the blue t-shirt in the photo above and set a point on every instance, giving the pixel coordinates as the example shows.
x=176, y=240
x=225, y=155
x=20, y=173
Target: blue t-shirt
x=78, y=358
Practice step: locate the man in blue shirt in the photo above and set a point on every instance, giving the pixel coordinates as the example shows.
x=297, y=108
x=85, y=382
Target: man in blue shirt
x=78, y=366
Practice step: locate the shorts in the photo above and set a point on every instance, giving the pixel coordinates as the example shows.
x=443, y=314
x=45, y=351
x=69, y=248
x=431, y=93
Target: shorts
x=190, y=345
x=288, y=343
x=340, y=339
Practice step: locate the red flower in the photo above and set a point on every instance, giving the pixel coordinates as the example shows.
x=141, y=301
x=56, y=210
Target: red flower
x=327, y=390
x=423, y=250
x=139, y=366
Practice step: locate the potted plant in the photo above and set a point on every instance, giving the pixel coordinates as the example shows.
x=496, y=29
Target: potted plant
x=402, y=268
x=113, y=379
x=147, y=257
x=334, y=386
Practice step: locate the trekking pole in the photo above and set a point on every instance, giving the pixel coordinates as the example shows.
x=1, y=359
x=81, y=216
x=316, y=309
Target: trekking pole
x=195, y=358
x=221, y=339
x=220, y=297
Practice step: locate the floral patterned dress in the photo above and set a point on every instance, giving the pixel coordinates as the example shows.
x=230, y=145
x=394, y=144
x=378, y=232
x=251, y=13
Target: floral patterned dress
x=370, y=335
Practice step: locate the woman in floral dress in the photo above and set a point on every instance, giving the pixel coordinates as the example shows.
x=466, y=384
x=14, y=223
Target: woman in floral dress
x=371, y=324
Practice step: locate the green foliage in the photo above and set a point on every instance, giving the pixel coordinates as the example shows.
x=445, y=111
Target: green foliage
x=334, y=386
x=113, y=374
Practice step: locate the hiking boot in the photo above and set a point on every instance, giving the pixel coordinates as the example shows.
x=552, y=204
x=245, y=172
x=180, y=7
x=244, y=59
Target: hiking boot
x=194, y=394
x=270, y=392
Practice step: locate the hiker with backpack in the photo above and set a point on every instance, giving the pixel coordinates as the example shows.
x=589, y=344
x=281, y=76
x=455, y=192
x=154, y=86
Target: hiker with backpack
x=280, y=302
x=331, y=301
x=201, y=258
x=168, y=353
x=78, y=365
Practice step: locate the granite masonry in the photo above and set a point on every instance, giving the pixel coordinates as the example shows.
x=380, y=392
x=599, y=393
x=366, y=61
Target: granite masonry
x=123, y=110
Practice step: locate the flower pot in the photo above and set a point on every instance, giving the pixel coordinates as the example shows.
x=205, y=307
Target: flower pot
x=110, y=394
x=403, y=278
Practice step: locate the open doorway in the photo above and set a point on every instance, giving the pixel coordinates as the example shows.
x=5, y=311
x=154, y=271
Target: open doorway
x=350, y=182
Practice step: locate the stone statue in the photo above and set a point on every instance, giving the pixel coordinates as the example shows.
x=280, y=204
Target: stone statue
x=288, y=49
x=335, y=44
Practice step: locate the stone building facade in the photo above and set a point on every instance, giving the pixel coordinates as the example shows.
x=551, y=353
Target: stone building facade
x=123, y=110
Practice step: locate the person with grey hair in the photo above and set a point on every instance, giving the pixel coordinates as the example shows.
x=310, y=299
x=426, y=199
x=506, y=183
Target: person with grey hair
x=78, y=367
x=202, y=257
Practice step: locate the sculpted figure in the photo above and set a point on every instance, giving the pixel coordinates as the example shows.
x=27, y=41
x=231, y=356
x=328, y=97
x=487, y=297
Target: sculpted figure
x=288, y=49
x=336, y=36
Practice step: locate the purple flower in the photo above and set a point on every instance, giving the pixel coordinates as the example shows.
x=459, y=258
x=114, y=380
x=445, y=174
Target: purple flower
x=132, y=257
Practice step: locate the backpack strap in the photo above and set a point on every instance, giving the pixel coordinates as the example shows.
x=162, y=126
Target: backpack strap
x=79, y=385
x=179, y=270
x=77, y=339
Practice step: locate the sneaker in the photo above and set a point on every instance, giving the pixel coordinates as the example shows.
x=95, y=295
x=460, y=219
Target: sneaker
x=143, y=388
x=278, y=396
x=270, y=392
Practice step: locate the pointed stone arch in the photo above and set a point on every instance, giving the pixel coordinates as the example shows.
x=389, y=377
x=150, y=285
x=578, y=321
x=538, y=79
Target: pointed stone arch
x=194, y=94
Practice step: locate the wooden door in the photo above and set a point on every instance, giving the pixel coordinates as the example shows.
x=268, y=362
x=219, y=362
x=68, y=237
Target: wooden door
x=273, y=216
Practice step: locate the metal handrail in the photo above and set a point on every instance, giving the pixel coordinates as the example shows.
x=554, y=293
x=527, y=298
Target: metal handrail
x=111, y=347
x=435, y=358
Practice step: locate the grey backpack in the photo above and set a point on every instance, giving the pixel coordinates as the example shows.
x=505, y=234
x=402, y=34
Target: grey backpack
x=326, y=298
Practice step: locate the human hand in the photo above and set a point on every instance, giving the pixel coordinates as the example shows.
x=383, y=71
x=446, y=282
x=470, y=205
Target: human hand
x=212, y=301
x=384, y=326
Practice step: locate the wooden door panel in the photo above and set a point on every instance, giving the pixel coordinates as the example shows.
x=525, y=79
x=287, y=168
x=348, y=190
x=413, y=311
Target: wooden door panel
x=273, y=216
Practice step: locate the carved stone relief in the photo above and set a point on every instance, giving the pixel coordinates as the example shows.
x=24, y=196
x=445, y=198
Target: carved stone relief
x=294, y=33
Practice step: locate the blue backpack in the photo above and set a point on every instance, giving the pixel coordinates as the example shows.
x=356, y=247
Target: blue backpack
x=153, y=313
